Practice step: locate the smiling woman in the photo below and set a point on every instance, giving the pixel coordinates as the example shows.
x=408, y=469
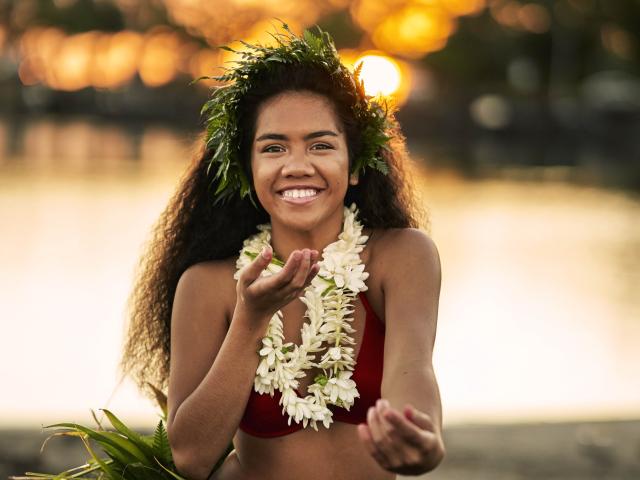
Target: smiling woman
x=305, y=164
x=303, y=176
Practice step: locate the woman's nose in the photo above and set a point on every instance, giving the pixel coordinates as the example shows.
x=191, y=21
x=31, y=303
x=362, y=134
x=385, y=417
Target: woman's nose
x=298, y=164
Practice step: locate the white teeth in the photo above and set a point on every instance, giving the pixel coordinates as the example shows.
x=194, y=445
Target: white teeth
x=299, y=193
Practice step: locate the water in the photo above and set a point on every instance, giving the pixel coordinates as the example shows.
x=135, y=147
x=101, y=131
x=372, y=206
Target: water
x=539, y=313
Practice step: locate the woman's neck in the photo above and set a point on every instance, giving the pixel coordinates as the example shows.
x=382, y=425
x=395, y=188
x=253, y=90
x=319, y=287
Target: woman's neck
x=285, y=239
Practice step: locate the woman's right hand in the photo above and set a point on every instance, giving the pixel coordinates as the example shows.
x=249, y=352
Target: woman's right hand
x=262, y=297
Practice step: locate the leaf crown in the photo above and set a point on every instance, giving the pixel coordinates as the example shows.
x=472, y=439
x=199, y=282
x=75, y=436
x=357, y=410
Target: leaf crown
x=221, y=109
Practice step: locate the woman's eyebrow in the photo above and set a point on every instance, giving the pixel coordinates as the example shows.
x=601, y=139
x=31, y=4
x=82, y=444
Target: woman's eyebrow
x=280, y=136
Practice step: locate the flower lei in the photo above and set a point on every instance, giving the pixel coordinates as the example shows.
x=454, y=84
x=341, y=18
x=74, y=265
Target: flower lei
x=340, y=278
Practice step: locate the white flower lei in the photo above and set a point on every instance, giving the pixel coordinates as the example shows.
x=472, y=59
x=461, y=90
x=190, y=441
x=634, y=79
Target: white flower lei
x=340, y=278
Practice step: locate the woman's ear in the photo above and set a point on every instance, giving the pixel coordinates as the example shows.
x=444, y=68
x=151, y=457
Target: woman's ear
x=353, y=179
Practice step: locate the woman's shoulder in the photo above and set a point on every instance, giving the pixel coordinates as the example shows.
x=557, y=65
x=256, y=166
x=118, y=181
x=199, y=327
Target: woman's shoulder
x=390, y=254
x=214, y=281
x=214, y=268
x=390, y=242
x=218, y=271
x=392, y=248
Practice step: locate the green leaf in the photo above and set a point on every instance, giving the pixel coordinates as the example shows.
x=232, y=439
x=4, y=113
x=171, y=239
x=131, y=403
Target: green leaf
x=108, y=438
x=170, y=472
x=198, y=79
x=113, y=475
x=126, y=446
x=139, y=471
x=127, y=432
x=161, y=446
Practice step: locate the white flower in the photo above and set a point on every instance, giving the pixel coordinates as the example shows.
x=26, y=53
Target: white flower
x=337, y=357
x=263, y=368
x=341, y=387
x=270, y=351
x=335, y=353
x=327, y=299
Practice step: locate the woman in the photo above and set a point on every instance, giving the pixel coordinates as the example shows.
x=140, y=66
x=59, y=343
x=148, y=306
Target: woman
x=340, y=384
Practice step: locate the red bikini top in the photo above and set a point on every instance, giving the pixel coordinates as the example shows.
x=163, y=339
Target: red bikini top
x=263, y=414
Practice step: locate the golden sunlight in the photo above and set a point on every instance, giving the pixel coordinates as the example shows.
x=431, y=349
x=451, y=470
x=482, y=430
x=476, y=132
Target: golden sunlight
x=381, y=75
x=414, y=31
x=463, y=7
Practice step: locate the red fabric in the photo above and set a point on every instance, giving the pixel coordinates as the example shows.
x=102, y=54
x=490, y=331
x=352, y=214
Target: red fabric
x=263, y=414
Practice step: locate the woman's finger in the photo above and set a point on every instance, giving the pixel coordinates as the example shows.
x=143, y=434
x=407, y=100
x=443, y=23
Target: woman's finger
x=419, y=418
x=364, y=432
x=298, y=280
x=405, y=429
x=313, y=271
x=284, y=276
x=393, y=442
x=253, y=270
x=378, y=435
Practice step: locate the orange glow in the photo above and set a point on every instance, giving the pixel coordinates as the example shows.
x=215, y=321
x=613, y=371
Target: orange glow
x=403, y=28
x=101, y=60
x=348, y=57
x=36, y=47
x=257, y=35
x=3, y=36
x=462, y=7
x=369, y=13
x=159, y=59
x=414, y=31
x=617, y=41
x=26, y=74
x=380, y=74
x=205, y=63
x=506, y=13
x=72, y=66
x=534, y=17
x=220, y=23
x=116, y=59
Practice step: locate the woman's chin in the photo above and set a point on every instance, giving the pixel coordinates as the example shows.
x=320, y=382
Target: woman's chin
x=298, y=224
x=304, y=219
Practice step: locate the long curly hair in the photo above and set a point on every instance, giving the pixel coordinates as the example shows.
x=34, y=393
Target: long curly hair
x=192, y=230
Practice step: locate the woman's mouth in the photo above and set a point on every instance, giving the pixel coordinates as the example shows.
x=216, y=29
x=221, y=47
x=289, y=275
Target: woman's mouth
x=299, y=195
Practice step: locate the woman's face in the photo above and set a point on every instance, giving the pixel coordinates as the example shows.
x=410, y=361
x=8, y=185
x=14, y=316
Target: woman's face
x=299, y=160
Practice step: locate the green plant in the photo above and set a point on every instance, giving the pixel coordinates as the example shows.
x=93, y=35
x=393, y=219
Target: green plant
x=129, y=455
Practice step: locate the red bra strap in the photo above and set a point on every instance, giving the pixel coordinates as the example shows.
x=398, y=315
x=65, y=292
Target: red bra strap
x=369, y=310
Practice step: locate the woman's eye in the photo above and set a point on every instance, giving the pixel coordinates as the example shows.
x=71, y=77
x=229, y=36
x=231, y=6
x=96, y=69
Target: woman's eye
x=322, y=146
x=272, y=149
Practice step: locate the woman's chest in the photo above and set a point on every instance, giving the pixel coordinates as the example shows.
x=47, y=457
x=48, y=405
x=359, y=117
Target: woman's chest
x=360, y=322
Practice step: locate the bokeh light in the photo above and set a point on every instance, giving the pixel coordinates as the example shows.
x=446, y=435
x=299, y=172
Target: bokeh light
x=188, y=45
x=380, y=75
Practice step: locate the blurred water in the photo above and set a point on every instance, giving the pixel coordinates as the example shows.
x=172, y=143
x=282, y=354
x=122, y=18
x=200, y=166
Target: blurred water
x=539, y=313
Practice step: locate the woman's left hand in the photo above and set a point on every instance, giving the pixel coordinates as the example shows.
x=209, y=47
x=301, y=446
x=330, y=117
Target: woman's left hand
x=406, y=444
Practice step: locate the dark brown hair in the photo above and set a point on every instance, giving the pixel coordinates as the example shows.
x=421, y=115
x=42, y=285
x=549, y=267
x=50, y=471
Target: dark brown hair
x=191, y=230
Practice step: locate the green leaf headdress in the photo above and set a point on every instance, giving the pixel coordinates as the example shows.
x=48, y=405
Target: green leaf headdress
x=317, y=50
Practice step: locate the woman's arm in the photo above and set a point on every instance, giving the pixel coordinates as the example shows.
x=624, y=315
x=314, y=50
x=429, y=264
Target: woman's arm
x=403, y=432
x=212, y=369
x=411, y=291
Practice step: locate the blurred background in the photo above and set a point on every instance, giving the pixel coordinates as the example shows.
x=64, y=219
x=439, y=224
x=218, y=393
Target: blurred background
x=522, y=118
